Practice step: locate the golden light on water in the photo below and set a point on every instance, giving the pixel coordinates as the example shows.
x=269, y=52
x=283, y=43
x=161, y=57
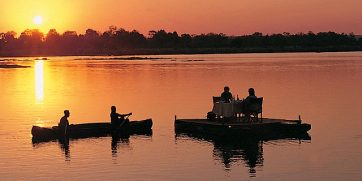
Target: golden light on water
x=39, y=81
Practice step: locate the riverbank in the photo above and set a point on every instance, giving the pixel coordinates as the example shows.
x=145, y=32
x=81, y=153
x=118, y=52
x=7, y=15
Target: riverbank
x=174, y=51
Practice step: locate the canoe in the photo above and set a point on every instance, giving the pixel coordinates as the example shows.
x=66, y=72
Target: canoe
x=86, y=130
x=268, y=128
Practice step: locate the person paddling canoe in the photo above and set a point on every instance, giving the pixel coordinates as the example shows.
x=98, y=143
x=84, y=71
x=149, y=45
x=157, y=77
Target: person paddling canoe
x=118, y=120
x=64, y=123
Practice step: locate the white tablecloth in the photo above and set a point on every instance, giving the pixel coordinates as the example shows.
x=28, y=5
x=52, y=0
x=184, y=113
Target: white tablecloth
x=227, y=109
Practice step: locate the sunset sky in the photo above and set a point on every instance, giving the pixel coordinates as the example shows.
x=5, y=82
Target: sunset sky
x=232, y=17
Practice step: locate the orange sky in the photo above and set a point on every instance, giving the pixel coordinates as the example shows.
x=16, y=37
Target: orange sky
x=232, y=17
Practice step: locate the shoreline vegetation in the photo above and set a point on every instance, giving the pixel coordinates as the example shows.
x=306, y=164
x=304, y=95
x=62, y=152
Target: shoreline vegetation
x=12, y=66
x=117, y=41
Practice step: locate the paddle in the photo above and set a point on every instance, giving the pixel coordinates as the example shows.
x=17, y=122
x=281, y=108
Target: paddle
x=65, y=130
x=125, y=117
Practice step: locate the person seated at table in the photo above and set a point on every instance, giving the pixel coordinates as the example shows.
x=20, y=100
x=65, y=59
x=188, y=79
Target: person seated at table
x=251, y=95
x=248, y=101
x=226, y=96
x=118, y=120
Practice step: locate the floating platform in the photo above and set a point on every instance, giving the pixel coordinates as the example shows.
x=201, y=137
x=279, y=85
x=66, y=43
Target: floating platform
x=267, y=128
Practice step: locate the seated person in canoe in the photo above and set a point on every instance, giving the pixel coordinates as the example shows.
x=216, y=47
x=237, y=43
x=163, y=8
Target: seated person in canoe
x=118, y=120
x=64, y=123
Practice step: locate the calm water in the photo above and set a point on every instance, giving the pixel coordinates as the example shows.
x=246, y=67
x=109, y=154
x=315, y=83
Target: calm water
x=324, y=88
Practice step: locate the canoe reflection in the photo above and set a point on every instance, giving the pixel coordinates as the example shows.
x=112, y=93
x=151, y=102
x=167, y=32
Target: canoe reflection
x=247, y=150
x=64, y=146
x=118, y=141
x=123, y=142
x=62, y=143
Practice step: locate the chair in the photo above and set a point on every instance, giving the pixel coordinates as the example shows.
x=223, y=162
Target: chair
x=255, y=108
x=216, y=99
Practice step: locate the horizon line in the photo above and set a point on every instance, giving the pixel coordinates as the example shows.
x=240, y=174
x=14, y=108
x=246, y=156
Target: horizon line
x=119, y=28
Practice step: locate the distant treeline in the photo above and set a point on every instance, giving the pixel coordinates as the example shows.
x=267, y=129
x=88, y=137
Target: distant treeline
x=116, y=41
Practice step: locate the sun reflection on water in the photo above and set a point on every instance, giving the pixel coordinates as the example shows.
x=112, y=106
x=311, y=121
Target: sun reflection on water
x=43, y=123
x=39, y=81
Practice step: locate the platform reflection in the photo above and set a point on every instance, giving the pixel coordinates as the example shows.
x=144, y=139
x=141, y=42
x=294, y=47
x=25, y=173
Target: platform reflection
x=245, y=151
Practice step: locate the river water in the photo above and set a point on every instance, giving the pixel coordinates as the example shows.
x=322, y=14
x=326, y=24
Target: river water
x=324, y=88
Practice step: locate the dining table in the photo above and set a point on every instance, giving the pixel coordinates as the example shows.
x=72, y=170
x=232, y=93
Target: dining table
x=228, y=109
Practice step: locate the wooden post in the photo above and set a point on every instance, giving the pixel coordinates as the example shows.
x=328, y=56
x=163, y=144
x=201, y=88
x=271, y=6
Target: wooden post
x=300, y=121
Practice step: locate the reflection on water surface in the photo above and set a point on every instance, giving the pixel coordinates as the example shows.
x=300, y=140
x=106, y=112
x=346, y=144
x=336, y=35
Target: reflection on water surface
x=316, y=86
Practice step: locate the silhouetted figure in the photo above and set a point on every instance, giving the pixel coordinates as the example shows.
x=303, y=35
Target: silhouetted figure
x=64, y=123
x=118, y=120
x=248, y=101
x=251, y=95
x=226, y=96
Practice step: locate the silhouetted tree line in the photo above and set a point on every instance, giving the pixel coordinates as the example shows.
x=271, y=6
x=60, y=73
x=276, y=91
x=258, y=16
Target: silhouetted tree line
x=118, y=41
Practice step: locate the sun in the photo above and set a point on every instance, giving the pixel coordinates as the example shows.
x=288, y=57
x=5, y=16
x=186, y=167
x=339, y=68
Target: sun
x=38, y=20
